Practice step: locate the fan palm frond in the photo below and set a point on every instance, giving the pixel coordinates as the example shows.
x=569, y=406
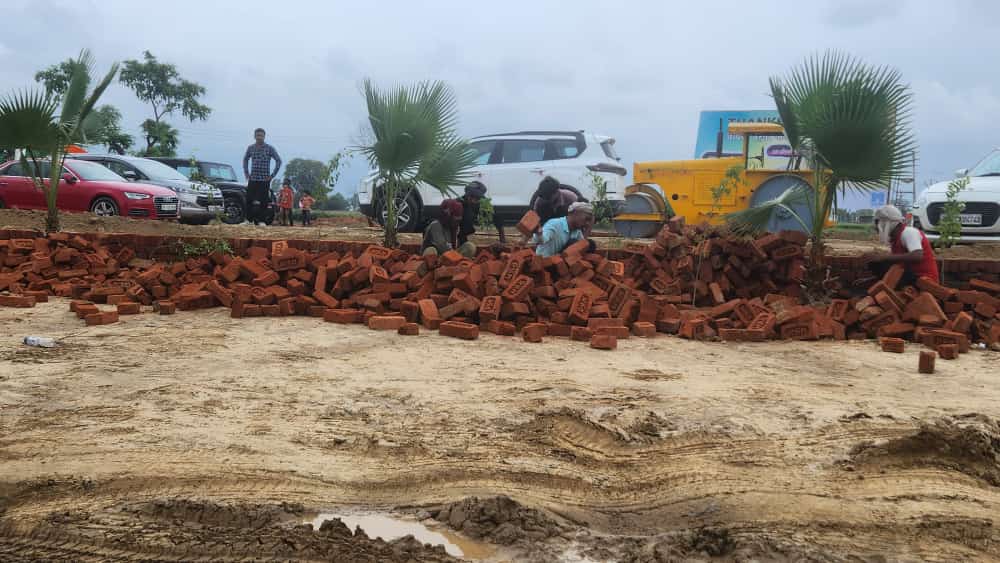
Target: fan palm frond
x=755, y=219
x=28, y=119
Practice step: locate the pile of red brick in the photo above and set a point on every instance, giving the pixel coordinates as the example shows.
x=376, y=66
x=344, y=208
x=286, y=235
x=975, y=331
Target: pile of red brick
x=692, y=281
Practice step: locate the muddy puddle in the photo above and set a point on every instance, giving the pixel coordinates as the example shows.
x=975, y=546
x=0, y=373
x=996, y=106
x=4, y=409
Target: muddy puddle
x=389, y=527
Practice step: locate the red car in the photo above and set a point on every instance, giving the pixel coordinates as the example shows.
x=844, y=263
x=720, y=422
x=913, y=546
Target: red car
x=87, y=186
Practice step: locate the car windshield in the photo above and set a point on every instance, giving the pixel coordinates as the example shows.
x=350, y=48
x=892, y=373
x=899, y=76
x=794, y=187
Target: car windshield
x=94, y=172
x=218, y=171
x=156, y=170
x=989, y=166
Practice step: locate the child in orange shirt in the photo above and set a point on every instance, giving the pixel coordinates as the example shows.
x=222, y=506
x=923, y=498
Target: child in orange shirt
x=285, y=197
x=306, y=203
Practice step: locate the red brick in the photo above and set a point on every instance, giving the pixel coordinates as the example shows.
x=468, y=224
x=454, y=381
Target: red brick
x=894, y=345
x=581, y=334
x=734, y=335
x=620, y=332
x=983, y=285
x=268, y=278
x=490, y=307
x=166, y=307
x=604, y=341
x=116, y=299
x=799, y=331
x=86, y=309
x=129, y=308
x=937, y=290
x=962, y=323
x=386, y=322
x=529, y=223
x=318, y=311
x=325, y=299
x=577, y=248
x=342, y=316
x=670, y=325
x=986, y=310
x=924, y=304
x=579, y=310
x=948, y=351
x=933, y=338
x=897, y=330
x=533, y=332
x=927, y=361
x=518, y=289
x=251, y=310
x=558, y=329
x=644, y=329
x=455, y=329
x=409, y=329
x=500, y=328
x=102, y=318
x=595, y=324
x=18, y=301
x=40, y=296
x=270, y=310
x=893, y=276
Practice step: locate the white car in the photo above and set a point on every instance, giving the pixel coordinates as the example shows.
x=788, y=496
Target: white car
x=511, y=165
x=981, y=197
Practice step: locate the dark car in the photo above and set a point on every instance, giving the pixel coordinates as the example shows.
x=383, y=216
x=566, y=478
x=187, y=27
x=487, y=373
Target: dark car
x=223, y=176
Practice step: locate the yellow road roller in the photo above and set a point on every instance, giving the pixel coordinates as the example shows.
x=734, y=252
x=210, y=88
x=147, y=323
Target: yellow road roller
x=705, y=190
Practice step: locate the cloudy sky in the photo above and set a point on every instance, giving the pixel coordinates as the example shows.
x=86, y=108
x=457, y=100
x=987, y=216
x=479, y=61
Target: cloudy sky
x=638, y=70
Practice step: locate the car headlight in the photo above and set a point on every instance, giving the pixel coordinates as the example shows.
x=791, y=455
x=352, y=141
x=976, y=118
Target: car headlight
x=136, y=195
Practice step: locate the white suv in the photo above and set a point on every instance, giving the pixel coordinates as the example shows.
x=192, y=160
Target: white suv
x=511, y=165
x=981, y=217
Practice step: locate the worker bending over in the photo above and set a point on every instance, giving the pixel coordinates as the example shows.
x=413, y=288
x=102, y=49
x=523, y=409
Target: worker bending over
x=909, y=245
x=561, y=232
x=441, y=235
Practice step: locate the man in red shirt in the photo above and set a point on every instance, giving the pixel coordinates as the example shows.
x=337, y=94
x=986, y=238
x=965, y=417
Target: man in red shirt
x=909, y=245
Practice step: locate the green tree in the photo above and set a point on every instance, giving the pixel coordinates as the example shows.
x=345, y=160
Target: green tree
x=45, y=124
x=308, y=174
x=336, y=202
x=411, y=141
x=161, y=86
x=104, y=123
x=852, y=122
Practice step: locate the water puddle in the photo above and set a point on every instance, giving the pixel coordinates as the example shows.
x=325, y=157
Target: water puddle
x=390, y=528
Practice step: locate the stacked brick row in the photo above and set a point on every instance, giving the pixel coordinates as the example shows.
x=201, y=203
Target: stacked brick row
x=692, y=281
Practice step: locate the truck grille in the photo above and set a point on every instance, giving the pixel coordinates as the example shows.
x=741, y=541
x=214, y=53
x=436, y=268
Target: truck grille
x=988, y=209
x=161, y=201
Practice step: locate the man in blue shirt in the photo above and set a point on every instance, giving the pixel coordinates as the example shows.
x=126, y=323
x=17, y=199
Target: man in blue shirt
x=259, y=175
x=561, y=232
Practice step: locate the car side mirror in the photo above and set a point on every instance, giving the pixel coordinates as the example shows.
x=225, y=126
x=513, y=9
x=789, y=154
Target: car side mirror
x=130, y=175
x=961, y=172
x=69, y=178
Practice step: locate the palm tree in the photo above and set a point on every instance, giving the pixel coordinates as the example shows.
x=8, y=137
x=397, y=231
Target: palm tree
x=29, y=121
x=852, y=122
x=412, y=141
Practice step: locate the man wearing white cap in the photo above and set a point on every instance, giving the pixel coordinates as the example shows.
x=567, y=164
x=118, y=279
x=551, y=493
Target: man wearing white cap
x=561, y=232
x=909, y=245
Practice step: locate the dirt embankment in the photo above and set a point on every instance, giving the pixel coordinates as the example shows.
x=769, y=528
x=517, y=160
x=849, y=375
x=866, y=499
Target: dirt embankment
x=200, y=436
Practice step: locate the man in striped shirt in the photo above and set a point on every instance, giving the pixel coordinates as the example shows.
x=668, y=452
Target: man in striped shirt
x=259, y=175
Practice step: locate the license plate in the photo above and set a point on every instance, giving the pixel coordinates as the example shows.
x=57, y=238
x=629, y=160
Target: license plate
x=168, y=207
x=970, y=219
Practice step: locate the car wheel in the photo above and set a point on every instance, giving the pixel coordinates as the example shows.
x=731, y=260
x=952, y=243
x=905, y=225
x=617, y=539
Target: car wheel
x=234, y=213
x=104, y=207
x=407, y=215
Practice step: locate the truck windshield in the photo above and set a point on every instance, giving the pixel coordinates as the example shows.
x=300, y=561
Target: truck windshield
x=989, y=166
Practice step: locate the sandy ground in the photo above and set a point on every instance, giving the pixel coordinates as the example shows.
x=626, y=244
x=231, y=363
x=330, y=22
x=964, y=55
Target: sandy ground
x=200, y=437
x=355, y=228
